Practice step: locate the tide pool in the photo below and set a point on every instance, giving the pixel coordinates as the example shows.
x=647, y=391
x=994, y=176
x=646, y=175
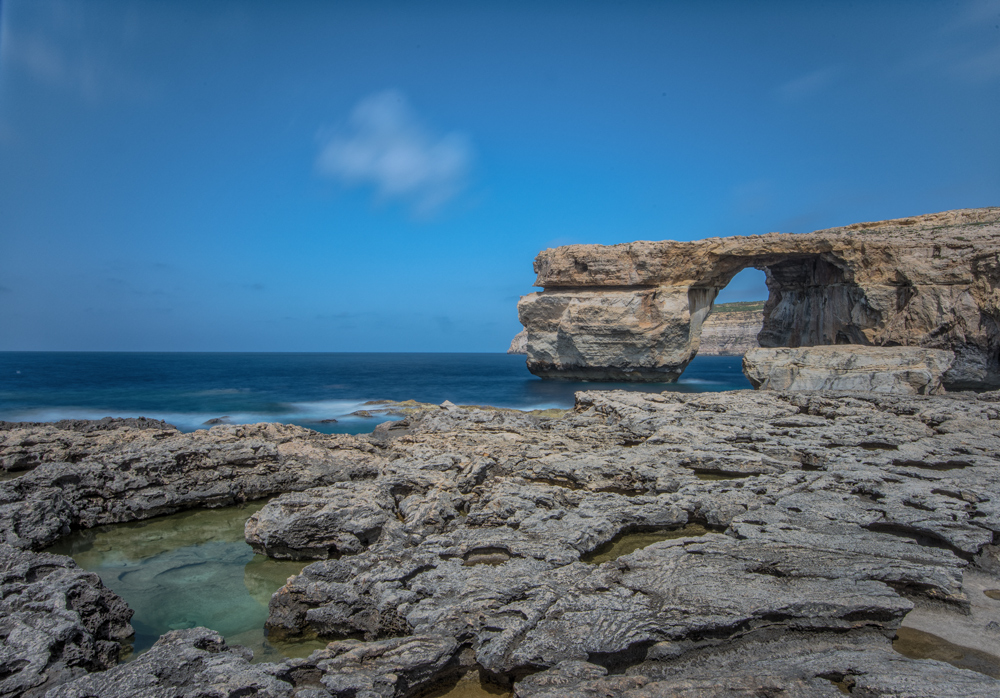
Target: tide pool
x=186, y=570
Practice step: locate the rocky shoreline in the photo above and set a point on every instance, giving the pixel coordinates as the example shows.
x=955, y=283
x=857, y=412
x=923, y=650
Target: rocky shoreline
x=799, y=532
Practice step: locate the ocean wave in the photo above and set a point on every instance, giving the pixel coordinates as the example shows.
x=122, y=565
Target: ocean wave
x=305, y=413
x=312, y=414
x=222, y=391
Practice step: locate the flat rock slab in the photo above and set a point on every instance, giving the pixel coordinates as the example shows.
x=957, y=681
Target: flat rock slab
x=898, y=370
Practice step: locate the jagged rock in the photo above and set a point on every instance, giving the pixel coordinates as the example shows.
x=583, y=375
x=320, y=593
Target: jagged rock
x=24, y=445
x=383, y=669
x=519, y=345
x=322, y=522
x=635, y=311
x=125, y=474
x=796, y=531
x=825, y=665
x=56, y=622
x=858, y=492
x=193, y=662
x=903, y=370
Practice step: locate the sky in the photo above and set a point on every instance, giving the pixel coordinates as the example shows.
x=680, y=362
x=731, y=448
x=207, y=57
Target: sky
x=379, y=176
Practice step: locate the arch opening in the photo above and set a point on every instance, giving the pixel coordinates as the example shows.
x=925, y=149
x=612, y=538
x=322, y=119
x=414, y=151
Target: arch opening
x=811, y=300
x=736, y=316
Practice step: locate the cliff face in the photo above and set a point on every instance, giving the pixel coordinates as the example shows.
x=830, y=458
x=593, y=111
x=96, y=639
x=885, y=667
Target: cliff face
x=519, y=345
x=730, y=333
x=635, y=311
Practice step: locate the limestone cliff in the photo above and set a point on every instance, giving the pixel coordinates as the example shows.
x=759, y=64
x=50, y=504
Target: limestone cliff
x=519, y=345
x=726, y=332
x=729, y=331
x=635, y=311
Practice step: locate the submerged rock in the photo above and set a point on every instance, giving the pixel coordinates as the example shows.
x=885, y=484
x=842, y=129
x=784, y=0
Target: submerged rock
x=901, y=370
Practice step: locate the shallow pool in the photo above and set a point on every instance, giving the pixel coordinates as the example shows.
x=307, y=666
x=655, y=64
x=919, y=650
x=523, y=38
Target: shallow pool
x=186, y=570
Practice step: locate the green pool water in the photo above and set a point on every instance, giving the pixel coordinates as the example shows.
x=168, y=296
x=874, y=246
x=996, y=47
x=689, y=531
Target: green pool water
x=186, y=570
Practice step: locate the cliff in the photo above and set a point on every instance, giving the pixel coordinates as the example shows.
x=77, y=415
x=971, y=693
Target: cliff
x=519, y=345
x=728, y=331
x=635, y=311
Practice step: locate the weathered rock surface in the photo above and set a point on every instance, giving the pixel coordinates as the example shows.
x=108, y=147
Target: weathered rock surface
x=383, y=669
x=466, y=540
x=728, y=333
x=901, y=370
x=724, y=333
x=194, y=662
x=825, y=665
x=856, y=505
x=635, y=311
x=323, y=522
x=56, y=622
x=519, y=345
x=126, y=474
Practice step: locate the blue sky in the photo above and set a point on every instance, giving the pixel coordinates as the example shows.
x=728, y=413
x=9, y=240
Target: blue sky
x=378, y=176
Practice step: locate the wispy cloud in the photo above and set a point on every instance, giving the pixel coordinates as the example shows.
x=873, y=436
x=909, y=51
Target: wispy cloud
x=52, y=45
x=964, y=49
x=386, y=146
x=806, y=85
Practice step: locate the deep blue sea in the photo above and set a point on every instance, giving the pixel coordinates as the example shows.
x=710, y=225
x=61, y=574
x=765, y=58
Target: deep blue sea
x=188, y=389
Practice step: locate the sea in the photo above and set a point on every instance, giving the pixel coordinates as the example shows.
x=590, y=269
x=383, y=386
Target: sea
x=320, y=391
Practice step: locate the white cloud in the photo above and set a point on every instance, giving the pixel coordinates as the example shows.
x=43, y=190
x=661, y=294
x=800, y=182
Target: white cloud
x=388, y=147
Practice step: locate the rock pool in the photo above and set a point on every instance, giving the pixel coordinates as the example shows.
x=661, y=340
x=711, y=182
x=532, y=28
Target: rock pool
x=189, y=569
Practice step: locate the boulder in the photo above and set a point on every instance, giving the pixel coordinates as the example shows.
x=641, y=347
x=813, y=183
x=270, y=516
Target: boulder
x=901, y=370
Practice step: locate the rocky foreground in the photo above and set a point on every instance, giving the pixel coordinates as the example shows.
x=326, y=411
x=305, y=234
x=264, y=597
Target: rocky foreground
x=801, y=531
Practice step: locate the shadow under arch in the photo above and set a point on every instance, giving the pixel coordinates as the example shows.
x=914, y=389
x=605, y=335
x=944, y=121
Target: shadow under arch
x=812, y=300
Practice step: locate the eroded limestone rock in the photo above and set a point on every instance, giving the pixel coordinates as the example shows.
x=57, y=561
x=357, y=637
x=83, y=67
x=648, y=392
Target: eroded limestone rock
x=56, y=622
x=194, y=662
x=730, y=333
x=901, y=370
x=635, y=311
x=817, y=521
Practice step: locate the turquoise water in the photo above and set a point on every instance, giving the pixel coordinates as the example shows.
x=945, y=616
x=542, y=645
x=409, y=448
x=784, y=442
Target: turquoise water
x=189, y=389
x=186, y=570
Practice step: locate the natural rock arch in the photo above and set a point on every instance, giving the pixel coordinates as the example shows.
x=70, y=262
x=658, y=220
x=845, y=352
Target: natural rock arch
x=634, y=312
